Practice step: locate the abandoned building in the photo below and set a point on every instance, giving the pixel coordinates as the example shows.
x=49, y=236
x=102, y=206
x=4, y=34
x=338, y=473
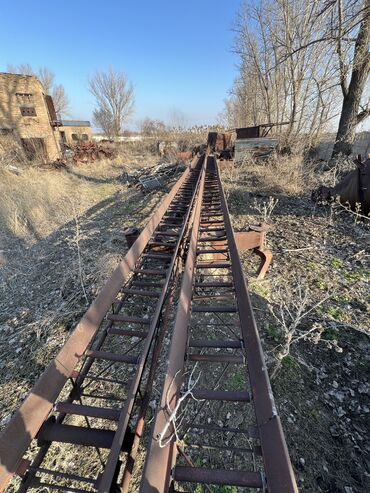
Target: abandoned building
x=28, y=115
x=74, y=131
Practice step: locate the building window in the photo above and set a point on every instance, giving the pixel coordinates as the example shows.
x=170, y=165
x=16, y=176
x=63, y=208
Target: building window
x=74, y=137
x=28, y=111
x=24, y=98
x=84, y=137
x=6, y=131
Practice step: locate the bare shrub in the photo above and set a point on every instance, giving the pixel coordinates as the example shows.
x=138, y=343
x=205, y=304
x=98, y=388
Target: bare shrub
x=289, y=174
x=293, y=311
x=153, y=128
x=337, y=208
x=265, y=207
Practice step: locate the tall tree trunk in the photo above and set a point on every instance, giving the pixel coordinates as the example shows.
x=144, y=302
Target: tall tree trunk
x=351, y=116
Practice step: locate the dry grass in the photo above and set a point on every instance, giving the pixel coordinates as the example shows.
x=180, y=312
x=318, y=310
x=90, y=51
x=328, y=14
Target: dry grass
x=11, y=152
x=290, y=174
x=316, y=253
x=60, y=239
x=37, y=201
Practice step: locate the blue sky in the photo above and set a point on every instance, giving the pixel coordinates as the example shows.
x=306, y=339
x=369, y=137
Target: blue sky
x=176, y=53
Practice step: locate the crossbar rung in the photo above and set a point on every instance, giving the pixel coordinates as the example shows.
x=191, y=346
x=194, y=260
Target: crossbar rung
x=217, y=358
x=215, y=308
x=117, y=317
x=126, y=332
x=119, y=358
x=90, y=411
x=247, y=479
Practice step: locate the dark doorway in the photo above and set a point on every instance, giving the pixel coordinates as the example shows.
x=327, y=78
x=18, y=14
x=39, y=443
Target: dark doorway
x=35, y=149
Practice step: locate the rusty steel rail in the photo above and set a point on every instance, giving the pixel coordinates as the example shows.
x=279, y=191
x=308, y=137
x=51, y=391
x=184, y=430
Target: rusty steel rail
x=87, y=395
x=217, y=423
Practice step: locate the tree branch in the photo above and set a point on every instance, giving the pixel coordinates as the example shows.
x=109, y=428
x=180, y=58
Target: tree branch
x=364, y=113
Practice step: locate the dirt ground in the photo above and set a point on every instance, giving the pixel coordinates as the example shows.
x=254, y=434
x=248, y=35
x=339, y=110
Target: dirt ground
x=53, y=264
x=321, y=387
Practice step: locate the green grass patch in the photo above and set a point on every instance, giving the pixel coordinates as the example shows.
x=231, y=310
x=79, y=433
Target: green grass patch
x=357, y=275
x=330, y=334
x=260, y=289
x=237, y=381
x=342, y=298
x=187, y=439
x=336, y=263
x=197, y=462
x=273, y=332
x=313, y=266
x=321, y=285
x=334, y=312
x=289, y=365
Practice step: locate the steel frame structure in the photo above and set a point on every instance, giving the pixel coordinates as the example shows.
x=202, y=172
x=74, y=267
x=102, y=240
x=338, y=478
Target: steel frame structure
x=94, y=395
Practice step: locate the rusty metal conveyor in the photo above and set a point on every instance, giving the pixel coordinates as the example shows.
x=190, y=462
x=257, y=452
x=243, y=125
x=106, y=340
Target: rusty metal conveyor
x=216, y=424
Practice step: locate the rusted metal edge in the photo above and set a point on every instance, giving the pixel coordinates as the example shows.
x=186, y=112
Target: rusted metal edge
x=27, y=420
x=157, y=468
x=160, y=461
x=278, y=469
x=105, y=482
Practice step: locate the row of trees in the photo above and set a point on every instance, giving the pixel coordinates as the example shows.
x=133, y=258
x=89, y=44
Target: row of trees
x=305, y=63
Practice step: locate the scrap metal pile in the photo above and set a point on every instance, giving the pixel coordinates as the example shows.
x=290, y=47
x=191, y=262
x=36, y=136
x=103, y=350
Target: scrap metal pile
x=86, y=152
x=80, y=428
x=153, y=177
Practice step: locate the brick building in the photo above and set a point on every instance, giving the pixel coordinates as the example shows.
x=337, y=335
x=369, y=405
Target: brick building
x=74, y=131
x=28, y=115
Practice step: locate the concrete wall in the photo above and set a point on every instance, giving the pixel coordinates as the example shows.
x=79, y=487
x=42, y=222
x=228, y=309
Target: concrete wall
x=25, y=92
x=124, y=138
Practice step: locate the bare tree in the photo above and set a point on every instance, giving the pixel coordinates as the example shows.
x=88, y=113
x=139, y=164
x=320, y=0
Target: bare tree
x=61, y=101
x=152, y=128
x=178, y=120
x=352, y=112
x=295, y=45
x=22, y=68
x=277, y=83
x=114, y=96
x=103, y=119
x=47, y=79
